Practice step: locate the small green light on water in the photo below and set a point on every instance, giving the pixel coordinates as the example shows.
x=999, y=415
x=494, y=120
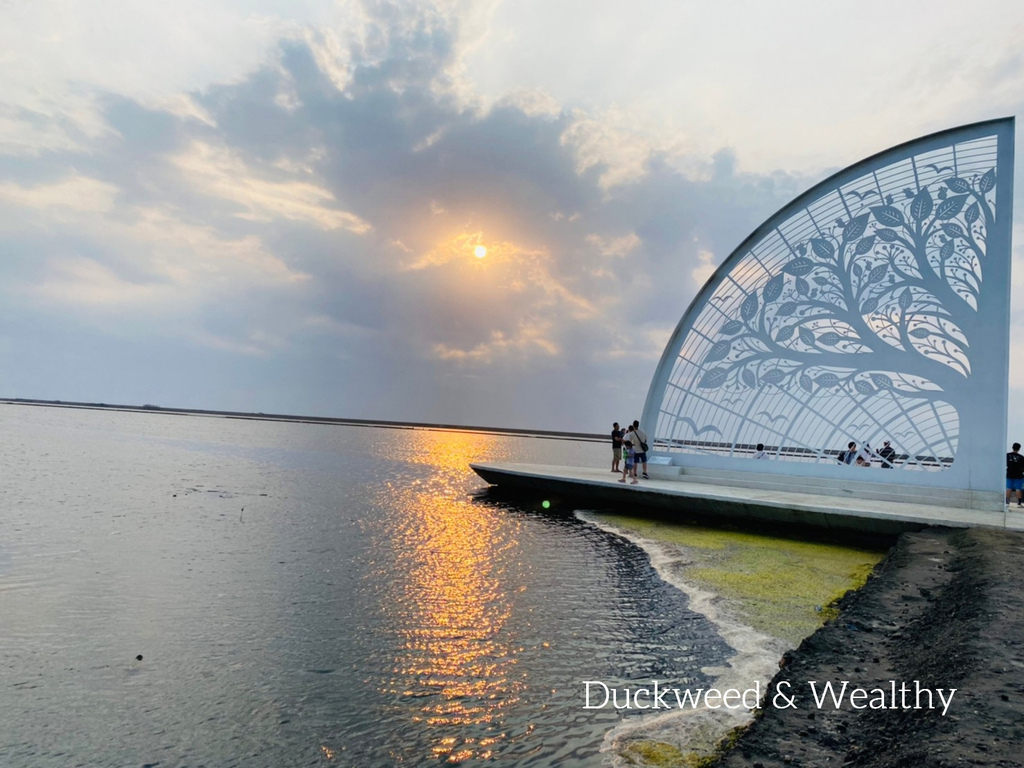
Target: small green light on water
x=545, y=503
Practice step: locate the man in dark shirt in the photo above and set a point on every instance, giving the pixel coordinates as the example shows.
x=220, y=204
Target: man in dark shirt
x=887, y=454
x=616, y=446
x=1014, y=473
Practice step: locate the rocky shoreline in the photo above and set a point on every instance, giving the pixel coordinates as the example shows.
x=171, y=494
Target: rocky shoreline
x=945, y=609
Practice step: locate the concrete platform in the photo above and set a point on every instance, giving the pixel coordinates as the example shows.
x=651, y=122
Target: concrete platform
x=704, y=500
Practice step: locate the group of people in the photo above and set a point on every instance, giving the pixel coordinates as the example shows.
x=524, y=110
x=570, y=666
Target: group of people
x=863, y=456
x=629, y=454
x=860, y=457
x=629, y=451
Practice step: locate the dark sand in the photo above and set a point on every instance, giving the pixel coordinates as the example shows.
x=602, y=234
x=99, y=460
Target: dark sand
x=945, y=608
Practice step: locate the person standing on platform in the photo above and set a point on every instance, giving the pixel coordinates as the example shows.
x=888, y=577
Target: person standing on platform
x=640, y=446
x=851, y=454
x=759, y=453
x=616, y=446
x=1014, y=474
x=887, y=454
x=629, y=461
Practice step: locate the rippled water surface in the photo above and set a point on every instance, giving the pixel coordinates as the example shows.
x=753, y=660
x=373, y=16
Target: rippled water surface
x=308, y=595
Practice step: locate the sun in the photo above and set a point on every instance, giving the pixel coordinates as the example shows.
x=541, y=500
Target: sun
x=480, y=251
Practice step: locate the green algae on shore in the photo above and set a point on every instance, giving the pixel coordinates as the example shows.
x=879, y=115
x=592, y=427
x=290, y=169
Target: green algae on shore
x=781, y=587
x=651, y=753
x=764, y=593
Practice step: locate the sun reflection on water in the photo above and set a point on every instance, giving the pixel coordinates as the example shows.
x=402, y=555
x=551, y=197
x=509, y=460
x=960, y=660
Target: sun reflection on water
x=456, y=652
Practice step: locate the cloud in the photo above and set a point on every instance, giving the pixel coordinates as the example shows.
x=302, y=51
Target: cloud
x=607, y=142
x=216, y=172
x=41, y=126
x=531, y=337
x=78, y=193
x=643, y=343
x=705, y=268
x=615, y=246
x=317, y=212
x=80, y=280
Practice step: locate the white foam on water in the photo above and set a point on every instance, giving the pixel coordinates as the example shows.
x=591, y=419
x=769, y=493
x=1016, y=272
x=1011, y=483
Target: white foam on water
x=756, y=660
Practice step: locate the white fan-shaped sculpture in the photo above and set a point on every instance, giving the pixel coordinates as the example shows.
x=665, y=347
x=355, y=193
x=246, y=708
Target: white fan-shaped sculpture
x=873, y=307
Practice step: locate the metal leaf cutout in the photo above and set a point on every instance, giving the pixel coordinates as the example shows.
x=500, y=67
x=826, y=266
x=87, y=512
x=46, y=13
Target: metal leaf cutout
x=888, y=215
x=922, y=206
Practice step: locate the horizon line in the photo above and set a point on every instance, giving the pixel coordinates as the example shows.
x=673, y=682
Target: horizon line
x=300, y=419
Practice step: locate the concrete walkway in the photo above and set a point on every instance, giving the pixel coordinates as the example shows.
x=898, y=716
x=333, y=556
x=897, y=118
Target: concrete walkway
x=706, y=500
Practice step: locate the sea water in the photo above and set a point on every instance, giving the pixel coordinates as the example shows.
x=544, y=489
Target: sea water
x=183, y=591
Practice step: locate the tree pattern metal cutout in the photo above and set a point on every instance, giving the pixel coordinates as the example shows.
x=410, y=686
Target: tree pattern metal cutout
x=852, y=315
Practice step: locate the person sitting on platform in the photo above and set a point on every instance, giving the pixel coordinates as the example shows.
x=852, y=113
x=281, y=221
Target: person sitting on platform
x=865, y=455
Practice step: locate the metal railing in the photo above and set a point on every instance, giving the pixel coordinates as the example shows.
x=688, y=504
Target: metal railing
x=794, y=453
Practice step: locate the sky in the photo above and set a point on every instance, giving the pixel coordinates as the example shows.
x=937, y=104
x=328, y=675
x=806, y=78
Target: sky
x=278, y=206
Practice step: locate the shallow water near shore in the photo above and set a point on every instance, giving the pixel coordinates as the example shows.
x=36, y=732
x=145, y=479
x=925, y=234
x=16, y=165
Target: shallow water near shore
x=309, y=594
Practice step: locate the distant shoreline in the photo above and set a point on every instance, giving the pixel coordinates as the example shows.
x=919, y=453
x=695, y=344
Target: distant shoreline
x=325, y=420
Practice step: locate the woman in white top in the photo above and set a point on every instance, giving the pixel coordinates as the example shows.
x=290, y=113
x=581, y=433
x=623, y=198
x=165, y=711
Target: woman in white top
x=865, y=455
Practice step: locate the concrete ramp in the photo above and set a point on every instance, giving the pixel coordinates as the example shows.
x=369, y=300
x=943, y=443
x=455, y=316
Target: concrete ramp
x=707, y=497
